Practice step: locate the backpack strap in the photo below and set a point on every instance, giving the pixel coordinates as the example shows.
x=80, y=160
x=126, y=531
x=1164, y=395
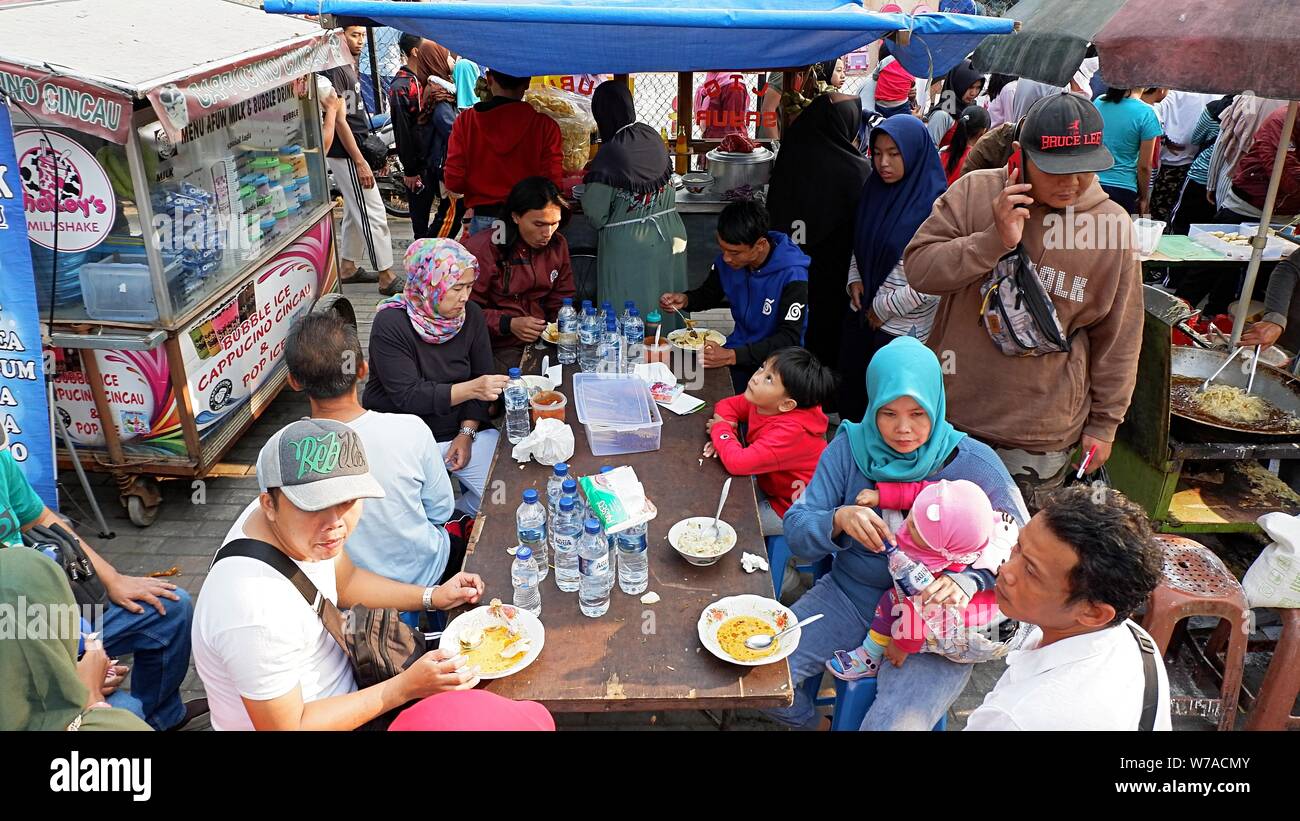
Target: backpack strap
x=324, y=609
x=1151, y=692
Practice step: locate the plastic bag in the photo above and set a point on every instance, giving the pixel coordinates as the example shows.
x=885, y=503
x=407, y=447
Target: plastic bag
x=1273, y=580
x=572, y=113
x=550, y=442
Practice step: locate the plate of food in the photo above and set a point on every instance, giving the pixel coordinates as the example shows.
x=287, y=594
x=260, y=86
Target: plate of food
x=499, y=639
x=725, y=624
x=551, y=334
x=693, y=340
x=693, y=538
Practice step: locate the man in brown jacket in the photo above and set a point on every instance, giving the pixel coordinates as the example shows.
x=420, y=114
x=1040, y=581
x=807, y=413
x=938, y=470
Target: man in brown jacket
x=1035, y=409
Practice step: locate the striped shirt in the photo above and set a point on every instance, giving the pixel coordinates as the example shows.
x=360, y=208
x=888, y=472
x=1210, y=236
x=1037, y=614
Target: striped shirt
x=903, y=311
x=1205, y=134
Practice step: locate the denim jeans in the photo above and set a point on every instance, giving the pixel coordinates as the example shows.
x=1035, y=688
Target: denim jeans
x=161, y=655
x=911, y=697
x=477, y=224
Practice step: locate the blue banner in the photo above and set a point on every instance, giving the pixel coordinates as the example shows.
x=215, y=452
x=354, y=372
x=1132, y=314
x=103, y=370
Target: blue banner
x=24, y=411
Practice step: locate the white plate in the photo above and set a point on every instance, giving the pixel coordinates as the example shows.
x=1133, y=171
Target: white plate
x=551, y=333
x=724, y=529
x=711, y=335
x=530, y=626
x=770, y=610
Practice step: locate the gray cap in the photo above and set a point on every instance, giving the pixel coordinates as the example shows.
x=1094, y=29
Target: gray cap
x=317, y=463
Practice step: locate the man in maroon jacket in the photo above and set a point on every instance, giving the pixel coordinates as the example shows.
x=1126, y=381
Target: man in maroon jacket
x=524, y=269
x=496, y=144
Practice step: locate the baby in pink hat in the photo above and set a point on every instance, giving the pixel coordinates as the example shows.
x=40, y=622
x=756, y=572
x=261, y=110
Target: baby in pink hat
x=950, y=528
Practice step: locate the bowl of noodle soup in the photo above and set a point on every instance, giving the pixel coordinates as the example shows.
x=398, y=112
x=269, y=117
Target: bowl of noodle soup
x=726, y=623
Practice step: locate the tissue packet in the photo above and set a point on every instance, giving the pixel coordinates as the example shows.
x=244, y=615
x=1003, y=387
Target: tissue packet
x=618, y=499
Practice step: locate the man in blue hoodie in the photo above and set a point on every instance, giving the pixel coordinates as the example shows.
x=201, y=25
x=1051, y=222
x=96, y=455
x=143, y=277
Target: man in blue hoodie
x=763, y=277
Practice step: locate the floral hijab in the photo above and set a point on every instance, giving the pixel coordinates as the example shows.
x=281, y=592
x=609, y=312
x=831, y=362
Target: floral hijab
x=432, y=268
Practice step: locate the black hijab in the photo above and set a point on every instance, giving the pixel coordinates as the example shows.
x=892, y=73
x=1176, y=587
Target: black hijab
x=1216, y=107
x=962, y=77
x=819, y=174
x=632, y=156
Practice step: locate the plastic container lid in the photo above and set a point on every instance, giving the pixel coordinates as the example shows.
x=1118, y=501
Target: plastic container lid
x=268, y=223
x=261, y=179
x=654, y=316
x=567, y=503
x=266, y=163
x=291, y=149
x=286, y=170
x=523, y=553
x=247, y=191
x=561, y=469
x=289, y=186
x=612, y=400
x=281, y=215
x=514, y=373
x=248, y=179
x=530, y=496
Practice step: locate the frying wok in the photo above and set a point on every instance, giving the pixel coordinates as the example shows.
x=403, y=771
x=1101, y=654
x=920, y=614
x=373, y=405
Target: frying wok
x=1277, y=386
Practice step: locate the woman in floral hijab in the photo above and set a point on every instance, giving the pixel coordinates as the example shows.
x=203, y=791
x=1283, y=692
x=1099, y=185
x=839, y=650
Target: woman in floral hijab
x=433, y=358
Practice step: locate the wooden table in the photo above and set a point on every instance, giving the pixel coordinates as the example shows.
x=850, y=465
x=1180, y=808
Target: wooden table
x=636, y=657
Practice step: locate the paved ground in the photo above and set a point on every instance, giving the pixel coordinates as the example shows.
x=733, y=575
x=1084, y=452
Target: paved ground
x=194, y=519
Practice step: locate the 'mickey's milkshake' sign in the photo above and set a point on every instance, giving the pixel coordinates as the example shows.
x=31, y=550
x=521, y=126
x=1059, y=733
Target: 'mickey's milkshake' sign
x=64, y=190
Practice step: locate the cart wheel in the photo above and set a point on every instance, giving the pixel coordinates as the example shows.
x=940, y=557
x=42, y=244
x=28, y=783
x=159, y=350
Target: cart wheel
x=140, y=514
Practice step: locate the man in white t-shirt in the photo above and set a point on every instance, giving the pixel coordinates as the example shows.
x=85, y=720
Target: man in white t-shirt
x=1082, y=565
x=265, y=658
x=401, y=536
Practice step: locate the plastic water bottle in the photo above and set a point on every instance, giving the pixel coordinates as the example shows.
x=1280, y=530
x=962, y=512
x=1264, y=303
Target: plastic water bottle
x=634, y=338
x=633, y=559
x=555, y=485
x=593, y=571
x=565, y=533
x=628, y=305
x=610, y=541
x=912, y=576
x=606, y=311
x=526, y=581
x=570, y=488
x=567, y=324
x=612, y=353
x=517, y=414
x=589, y=339
x=530, y=524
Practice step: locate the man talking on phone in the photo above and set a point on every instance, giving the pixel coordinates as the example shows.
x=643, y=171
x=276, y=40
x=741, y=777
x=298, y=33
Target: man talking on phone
x=1038, y=386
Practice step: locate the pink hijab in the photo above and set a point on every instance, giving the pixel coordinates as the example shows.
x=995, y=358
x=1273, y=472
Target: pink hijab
x=432, y=268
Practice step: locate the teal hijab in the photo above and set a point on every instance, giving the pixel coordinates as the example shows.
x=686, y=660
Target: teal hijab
x=465, y=75
x=904, y=367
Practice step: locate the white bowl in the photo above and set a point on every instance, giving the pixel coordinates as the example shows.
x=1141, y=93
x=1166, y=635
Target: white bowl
x=536, y=382
x=725, y=532
x=479, y=618
x=770, y=610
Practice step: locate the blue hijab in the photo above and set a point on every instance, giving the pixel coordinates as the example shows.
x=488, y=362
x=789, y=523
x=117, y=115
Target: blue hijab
x=890, y=213
x=904, y=367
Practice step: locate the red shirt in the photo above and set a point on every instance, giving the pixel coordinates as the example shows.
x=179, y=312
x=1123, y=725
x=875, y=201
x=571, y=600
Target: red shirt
x=783, y=448
x=495, y=145
x=895, y=83
x=1256, y=167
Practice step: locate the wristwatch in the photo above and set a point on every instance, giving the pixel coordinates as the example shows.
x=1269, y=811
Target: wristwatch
x=470, y=432
x=427, y=598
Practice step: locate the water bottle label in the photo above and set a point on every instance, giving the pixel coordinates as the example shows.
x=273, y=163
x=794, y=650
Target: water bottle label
x=564, y=542
x=593, y=567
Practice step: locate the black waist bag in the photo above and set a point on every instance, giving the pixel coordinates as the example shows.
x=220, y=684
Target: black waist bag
x=85, y=583
x=378, y=644
x=1017, y=311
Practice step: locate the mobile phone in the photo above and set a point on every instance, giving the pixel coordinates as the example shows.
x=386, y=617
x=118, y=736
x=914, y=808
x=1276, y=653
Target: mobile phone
x=1014, y=164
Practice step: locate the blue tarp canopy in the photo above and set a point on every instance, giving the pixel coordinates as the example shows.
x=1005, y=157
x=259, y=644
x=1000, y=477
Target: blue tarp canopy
x=630, y=36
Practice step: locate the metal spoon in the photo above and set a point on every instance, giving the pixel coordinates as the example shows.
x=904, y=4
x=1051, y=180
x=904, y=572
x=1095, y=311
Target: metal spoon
x=726, y=488
x=764, y=642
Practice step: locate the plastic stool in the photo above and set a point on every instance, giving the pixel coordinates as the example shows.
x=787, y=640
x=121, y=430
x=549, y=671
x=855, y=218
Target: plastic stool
x=852, y=701
x=1194, y=582
x=1277, y=694
x=778, y=555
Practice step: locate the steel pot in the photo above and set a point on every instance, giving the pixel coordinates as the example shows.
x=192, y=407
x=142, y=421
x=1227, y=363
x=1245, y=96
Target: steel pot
x=730, y=171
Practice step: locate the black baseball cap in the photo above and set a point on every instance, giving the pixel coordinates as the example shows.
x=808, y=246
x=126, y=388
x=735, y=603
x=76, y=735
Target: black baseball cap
x=1062, y=135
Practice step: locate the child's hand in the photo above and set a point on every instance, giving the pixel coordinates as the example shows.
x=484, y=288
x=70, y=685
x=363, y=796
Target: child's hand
x=710, y=452
x=708, y=426
x=868, y=497
x=895, y=654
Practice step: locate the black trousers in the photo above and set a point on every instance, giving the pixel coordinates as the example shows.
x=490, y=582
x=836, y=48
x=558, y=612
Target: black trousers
x=859, y=344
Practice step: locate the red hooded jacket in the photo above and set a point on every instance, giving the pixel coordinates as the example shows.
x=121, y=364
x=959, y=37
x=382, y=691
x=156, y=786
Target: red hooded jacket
x=783, y=448
x=495, y=145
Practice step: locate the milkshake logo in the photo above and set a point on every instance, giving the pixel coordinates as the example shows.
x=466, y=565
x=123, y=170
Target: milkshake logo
x=60, y=181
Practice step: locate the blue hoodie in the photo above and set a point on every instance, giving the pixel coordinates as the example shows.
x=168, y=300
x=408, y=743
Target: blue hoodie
x=769, y=305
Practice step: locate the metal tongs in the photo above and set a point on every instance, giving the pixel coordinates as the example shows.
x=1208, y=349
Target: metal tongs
x=1206, y=384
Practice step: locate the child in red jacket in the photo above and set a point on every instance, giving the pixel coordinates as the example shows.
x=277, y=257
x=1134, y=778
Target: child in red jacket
x=786, y=428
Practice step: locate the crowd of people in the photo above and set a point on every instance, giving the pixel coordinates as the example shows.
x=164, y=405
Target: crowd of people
x=904, y=288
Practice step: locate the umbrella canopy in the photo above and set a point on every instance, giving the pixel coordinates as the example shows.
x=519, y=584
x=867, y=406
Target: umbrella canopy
x=526, y=37
x=1054, y=37
x=1205, y=45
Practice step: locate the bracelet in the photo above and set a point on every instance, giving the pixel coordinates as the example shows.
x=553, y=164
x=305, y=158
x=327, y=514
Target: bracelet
x=470, y=432
x=427, y=598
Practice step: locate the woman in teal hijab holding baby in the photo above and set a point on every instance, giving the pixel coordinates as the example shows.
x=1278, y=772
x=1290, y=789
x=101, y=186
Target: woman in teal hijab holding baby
x=904, y=437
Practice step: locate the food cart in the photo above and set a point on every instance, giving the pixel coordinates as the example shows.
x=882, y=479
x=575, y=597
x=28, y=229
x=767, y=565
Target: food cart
x=194, y=219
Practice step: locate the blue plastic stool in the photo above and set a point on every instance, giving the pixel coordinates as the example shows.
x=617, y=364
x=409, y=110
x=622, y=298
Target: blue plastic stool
x=778, y=555
x=854, y=698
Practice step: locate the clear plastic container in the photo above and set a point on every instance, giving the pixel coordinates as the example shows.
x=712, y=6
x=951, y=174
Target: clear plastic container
x=618, y=414
x=118, y=288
